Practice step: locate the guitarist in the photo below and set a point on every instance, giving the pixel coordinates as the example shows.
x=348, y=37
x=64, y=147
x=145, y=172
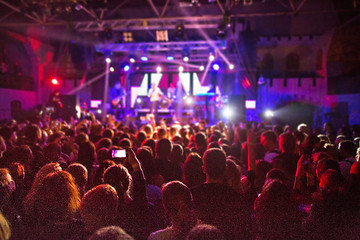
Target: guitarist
x=117, y=96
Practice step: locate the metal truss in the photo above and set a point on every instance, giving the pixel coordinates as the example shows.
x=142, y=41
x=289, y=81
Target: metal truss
x=165, y=23
x=161, y=46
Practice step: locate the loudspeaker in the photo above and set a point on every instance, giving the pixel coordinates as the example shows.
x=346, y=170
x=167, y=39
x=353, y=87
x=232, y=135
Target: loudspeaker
x=237, y=105
x=69, y=106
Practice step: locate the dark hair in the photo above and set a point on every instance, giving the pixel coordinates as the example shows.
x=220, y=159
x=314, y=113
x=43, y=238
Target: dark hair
x=214, y=161
x=175, y=192
x=87, y=155
x=192, y=173
x=163, y=147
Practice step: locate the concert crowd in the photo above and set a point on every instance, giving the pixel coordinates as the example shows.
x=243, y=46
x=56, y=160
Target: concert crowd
x=64, y=180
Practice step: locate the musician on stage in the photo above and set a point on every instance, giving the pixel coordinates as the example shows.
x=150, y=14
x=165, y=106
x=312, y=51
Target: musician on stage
x=155, y=95
x=55, y=105
x=117, y=98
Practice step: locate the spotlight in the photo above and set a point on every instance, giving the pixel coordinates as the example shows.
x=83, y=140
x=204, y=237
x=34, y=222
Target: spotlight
x=179, y=32
x=158, y=69
x=202, y=68
x=231, y=66
x=144, y=58
x=211, y=57
x=186, y=59
x=228, y=113
x=126, y=68
x=170, y=58
x=132, y=60
x=221, y=30
x=181, y=68
x=269, y=113
x=216, y=67
x=108, y=60
x=112, y=69
x=189, y=100
x=54, y=82
x=138, y=100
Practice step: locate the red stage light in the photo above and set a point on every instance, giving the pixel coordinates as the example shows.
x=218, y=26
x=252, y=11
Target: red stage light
x=54, y=81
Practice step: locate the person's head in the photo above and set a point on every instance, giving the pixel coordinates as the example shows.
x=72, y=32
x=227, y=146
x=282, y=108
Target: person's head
x=125, y=143
x=192, y=173
x=99, y=207
x=87, y=155
x=163, y=148
x=177, y=153
x=57, y=199
x=119, y=177
x=103, y=154
x=161, y=133
x=205, y=232
x=332, y=181
x=214, y=164
x=325, y=164
x=347, y=149
x=7, y=186
x=33, y=133
x=104, y=143
x=56, y=138
x=140, y=137
x=274, y=202
x=233, y=175
x=22, y=154
x=200, y=140
x=81, y=138
x=268, y=140
x=80, y=175
x=147, y=161
x=149, y=143
x=110, y=233
x=108, y=133
x=287, y=143
x=177, y=201
x=117, y=85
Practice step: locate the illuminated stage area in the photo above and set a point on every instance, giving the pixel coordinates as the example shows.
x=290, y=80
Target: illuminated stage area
x=179, y=119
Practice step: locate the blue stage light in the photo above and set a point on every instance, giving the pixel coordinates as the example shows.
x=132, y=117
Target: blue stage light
x=126, y=68
x=144, y=58
x=216, y=67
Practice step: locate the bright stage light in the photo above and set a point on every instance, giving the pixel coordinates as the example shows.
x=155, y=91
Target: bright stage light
x=231, y=66
x=158, y=69
x=132, y=60
x=216, y=67
x=227, y=112
x=170, y=58
x=181, y=68
x=144, y=58
x=138, y=100
x=186, y=59
x=126, y=68
x=201, y=68
x=54, y=81
x=189, y=100
x=269, y=113
x=211, y=58
x=111, y=69
x=108, y=60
